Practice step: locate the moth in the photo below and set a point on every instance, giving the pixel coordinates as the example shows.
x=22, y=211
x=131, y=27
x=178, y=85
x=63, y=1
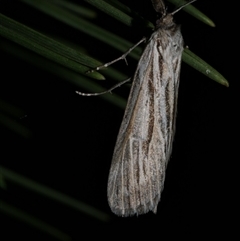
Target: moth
x=144, y=142
x=145, y=138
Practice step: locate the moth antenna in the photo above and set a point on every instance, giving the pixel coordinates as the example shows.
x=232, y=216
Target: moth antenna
x=159, y=7
x=184, y=5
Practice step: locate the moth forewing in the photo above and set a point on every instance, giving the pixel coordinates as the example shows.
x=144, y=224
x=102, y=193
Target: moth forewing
x=145, y=138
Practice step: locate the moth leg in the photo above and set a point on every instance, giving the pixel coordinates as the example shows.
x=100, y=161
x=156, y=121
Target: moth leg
x=120, y=58
x=103, y=92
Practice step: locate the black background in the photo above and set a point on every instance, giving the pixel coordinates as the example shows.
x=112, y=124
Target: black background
x=74, y=137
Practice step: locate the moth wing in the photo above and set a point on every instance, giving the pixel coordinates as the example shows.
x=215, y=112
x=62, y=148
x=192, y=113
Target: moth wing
x=145, y=137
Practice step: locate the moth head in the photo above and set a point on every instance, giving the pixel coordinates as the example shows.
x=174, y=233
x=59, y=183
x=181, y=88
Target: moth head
x=166, y=21
x=167, y=18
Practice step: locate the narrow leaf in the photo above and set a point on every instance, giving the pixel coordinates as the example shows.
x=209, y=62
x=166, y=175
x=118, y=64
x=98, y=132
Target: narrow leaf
x=47, y=47
x=200, y=65
x=194, y=12
x=53, y=194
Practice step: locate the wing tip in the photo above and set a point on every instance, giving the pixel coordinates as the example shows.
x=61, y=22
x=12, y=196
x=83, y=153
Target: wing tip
x=141, y=209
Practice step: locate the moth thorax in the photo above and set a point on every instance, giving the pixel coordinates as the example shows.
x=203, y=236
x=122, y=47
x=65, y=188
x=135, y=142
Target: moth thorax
x=165, y=21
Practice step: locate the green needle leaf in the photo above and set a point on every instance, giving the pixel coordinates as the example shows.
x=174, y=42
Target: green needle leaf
x=194, y=12
x=200, y=65
x=47, y=47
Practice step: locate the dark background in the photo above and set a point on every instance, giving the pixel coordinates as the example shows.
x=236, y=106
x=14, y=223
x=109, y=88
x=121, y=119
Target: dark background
x=73, y=137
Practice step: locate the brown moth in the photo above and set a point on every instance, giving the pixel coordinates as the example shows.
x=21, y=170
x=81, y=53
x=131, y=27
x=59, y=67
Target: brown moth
x=145, y=138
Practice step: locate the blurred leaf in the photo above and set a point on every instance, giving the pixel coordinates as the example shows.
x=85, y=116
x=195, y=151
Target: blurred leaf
x=53, y=194
x=33, y=221
x=3, y=183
